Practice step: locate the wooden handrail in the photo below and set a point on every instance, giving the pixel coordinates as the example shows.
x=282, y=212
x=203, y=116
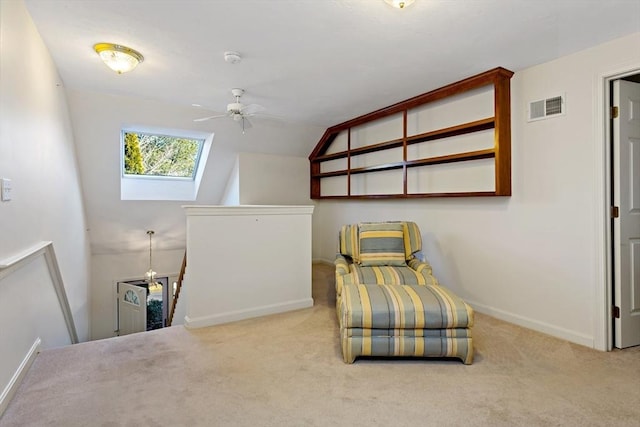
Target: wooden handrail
x=174, y=301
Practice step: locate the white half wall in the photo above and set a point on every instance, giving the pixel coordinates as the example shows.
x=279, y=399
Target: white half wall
x=246, y=261
x=533, y=258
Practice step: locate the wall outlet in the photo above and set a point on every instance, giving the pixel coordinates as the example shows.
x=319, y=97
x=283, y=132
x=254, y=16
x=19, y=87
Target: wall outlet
x=5, y=189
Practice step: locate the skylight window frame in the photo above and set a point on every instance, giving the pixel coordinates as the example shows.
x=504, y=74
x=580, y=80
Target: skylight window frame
x=159, y=187
x=162, y=133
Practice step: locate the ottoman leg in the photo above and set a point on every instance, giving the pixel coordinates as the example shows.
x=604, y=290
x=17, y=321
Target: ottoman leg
x=347, y=350
x=467, y=359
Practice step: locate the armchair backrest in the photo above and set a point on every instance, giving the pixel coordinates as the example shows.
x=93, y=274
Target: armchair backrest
x=349, y=238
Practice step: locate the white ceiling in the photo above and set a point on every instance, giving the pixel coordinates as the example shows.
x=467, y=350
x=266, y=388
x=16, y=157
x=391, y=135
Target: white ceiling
x=315, y=61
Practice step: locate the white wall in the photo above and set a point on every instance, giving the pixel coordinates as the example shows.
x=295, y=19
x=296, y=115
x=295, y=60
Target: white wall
x=532, y=258
x=231, y=196
x=108, y=269
x=246, y=261
x=37, y=153
x=267, y=179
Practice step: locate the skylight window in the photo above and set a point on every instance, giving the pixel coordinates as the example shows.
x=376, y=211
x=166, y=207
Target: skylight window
x=162, y=164
x=160, y=155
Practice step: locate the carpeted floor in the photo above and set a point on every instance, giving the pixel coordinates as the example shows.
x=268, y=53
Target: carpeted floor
x=287, y=370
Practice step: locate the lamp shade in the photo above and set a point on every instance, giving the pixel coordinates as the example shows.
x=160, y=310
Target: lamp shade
x=400, y=4
x=120, y=59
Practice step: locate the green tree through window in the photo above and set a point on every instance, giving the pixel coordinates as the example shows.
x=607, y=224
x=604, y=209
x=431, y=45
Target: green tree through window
x=160, y=155
x=132, y=156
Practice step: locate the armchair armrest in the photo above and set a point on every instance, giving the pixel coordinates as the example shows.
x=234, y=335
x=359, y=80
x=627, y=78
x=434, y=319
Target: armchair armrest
x=343, y=272
x=423, y=268
x=342, y=265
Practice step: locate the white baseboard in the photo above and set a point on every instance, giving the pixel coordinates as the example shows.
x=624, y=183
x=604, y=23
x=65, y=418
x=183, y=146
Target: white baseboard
x=232, y=316
x=535, y=325
x=18, y=376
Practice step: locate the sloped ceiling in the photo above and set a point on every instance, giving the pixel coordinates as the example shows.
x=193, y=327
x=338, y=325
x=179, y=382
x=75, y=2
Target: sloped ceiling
x=120, y=225
x=316, y=61
x=310, y=63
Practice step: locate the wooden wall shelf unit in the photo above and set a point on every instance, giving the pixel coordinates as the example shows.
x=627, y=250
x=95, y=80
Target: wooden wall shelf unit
x=350, y=157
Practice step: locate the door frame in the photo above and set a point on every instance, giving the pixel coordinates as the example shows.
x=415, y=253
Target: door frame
x=118, y=306
x=603, y=328
x=114, y=293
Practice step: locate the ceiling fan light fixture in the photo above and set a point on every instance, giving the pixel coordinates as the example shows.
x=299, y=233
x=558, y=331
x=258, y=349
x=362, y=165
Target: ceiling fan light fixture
x=120, y=59
x=237, y=111
x=399, y=4
x=232, y=57
x=234, y=107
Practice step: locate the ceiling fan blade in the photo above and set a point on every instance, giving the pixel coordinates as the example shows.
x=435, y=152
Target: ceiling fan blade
x=202, y=119
x=251, y=109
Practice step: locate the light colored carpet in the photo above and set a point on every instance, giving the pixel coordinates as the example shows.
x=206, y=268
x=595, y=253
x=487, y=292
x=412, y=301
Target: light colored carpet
x=287, y=370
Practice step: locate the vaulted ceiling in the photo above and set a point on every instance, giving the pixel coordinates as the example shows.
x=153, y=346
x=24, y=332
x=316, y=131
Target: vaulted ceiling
x=311, y=63
x=315, y=61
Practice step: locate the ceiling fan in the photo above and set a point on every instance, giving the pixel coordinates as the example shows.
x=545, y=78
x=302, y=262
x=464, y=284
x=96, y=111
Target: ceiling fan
x=237, y=111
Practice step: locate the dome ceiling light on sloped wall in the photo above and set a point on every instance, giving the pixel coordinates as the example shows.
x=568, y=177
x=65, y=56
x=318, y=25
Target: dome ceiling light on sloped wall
x=399, y=4
x=120, y=59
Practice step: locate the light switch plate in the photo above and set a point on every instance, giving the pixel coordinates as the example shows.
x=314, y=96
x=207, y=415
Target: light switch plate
x=5, y=189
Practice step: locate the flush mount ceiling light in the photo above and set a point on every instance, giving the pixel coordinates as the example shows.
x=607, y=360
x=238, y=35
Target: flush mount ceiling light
x=399, y=4
x=232, y=57
x=120, y=59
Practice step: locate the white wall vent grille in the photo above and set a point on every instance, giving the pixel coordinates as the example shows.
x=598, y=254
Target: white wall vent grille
x=546, y=108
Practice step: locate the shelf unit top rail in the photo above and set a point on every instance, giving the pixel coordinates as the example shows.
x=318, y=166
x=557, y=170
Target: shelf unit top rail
x=489, y=77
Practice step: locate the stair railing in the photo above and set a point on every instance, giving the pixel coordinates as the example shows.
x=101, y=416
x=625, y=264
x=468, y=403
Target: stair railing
x=174, y=300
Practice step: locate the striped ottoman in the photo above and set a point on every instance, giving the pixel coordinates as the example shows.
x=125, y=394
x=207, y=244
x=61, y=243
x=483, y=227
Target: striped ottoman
x=404, y=320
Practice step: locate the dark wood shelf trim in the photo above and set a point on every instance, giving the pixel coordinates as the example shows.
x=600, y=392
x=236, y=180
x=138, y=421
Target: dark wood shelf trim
x=415, y=195
x=332, y=156
x=366, y=169
x=378, y=168
x=451, y=158
x=449, y=132
x=340, y=172
x=395, y=143
x=462, y=129
x=479, y=80
x=498, y=79
x=386, y=145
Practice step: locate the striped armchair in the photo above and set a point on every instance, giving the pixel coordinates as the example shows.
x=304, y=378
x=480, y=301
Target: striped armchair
x=379, y=259
x=388, y=301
